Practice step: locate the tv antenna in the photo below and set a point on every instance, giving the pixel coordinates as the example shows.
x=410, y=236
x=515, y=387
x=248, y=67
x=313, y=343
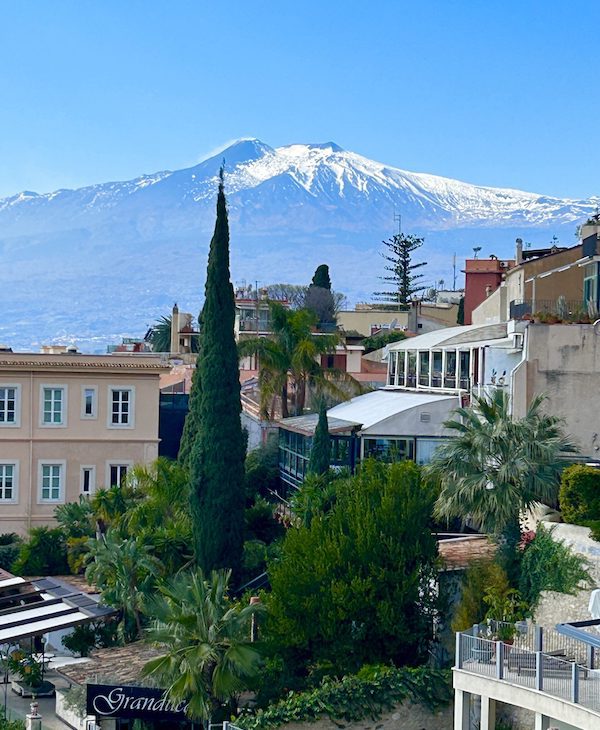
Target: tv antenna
x=398, y=220
x=476, y=250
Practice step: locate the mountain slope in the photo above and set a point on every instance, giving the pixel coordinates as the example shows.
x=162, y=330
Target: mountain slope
x=128, y=249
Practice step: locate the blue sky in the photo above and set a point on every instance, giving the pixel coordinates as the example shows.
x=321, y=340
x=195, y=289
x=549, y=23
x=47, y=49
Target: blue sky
x=500, y=94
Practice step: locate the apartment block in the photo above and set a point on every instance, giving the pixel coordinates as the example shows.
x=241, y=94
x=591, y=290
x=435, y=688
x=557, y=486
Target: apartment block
x=69, y=424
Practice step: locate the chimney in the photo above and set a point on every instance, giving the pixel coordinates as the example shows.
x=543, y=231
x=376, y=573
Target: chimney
x=519, y=255
x=175, y=330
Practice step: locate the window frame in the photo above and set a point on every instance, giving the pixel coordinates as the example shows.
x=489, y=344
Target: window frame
x=127, y=463
x=111, y=389
x=17, y=422
x=82, y=469
x=64, y=404
x=94, y=415
x=63, y=479
x=15, y=488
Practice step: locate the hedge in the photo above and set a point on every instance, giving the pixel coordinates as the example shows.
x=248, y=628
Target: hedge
x=356, y=697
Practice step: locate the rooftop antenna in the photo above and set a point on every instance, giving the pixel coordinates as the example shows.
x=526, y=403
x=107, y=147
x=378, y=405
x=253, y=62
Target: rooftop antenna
x=476, y=250
x=398, y=220
x=454, y=272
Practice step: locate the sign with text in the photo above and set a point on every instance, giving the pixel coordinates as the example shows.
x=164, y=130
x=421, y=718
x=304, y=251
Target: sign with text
x=140, y=703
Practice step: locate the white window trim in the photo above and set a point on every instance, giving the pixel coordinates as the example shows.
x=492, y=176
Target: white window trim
x=65, y=405
x=17, y=423
x=93, y=485
x=94, y=415
x=63, y=479
x=131, y=424
x=116, y=462
x=15, y=497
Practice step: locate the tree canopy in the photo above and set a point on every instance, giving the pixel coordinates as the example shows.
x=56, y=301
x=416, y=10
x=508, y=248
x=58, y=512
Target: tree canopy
x=403, y=283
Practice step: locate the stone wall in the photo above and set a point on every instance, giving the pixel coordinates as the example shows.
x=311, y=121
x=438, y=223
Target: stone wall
x=408, y=716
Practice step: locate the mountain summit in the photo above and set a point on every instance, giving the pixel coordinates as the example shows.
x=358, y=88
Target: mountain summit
x=127, y=249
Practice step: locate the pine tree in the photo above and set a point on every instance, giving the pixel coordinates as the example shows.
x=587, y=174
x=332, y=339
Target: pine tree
x=399, y=255
x=321, y=446
x=460, y=315
x=216, y=444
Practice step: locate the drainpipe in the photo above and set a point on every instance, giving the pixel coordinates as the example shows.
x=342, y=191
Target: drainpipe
x=31, y=476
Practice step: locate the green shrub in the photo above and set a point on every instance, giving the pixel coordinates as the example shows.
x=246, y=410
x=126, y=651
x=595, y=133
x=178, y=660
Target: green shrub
x=478, y=579
x=356, y=697
x=580, y=494
x=86, y=637
x=260, y=522
x=44, y=553
x=375, y=342
x=357, y=585
x=9, y=724
x=262, y=471
x=76, y=518
x=549, y=565
x=10, y=544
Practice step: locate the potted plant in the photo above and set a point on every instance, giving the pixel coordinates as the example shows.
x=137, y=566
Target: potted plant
x=31, y=675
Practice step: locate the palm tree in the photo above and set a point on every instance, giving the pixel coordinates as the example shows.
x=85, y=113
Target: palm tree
x=499, y=465
x=160, y=515
x=209, y=658
x=125, y=571
x=290, y=361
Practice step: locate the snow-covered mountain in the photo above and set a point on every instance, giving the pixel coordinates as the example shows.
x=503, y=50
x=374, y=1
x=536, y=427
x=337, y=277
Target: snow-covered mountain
x=100, y=261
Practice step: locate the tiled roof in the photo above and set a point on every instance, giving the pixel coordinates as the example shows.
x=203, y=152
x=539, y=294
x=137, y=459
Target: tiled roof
x=129, y=362
x=121, y=664
x=459, y=552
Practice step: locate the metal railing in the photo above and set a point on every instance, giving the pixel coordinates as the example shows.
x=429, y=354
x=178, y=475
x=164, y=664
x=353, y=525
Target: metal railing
x=530, y=662
x=566, y=310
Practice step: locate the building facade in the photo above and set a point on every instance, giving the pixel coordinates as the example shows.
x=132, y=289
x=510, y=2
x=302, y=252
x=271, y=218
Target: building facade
x=70, y=423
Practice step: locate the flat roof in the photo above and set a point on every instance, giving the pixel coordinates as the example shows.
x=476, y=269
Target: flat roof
x=307, y=424
x=33, y=607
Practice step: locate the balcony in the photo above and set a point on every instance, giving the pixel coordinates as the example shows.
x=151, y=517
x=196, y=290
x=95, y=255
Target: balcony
x=542, y=670
x=553, y=311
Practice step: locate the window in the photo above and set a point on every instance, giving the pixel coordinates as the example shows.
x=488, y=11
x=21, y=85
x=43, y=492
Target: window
x=117, y=474
x=590, y=283
x=121, y=408
x=51, y=481
x=450, y=374
x=8, y=482
x=53, y=405
x=89, y=398
x=9, y=405
x=411, y=379
x=88, y=480
x=400, y=379
x=465, y=362
x=389, y=449
x=392, y=370
x=424, y=367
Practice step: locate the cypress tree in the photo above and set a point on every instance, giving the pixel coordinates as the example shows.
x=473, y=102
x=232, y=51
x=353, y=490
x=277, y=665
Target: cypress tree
x=320, y=452
x=217, y=452
x=321, y=277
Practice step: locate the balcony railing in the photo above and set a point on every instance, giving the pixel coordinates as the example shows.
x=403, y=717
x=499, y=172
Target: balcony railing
x=539, y=659
x=554, y=310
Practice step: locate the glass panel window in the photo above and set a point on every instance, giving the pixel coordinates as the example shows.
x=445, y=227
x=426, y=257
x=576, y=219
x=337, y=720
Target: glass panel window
x=465, y=361
x=8, y=405
x=89, y=403
x=424, y=368
x=7, y=482
x=118, y=472
x=590, y=283
x=88, y=478
x=450, y=374
x=121, y=402
x=53, y=400
x=411, y=379
x=392, y=372
x=51, y=482
x=401, y=360
x=392, y=449
x=436, y=370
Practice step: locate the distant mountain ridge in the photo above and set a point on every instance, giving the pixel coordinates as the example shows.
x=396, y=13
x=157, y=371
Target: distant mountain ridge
x=97, y=262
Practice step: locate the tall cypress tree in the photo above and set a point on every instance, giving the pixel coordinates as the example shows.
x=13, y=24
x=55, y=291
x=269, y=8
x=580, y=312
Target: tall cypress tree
x=217, y=453
x=320, y=452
